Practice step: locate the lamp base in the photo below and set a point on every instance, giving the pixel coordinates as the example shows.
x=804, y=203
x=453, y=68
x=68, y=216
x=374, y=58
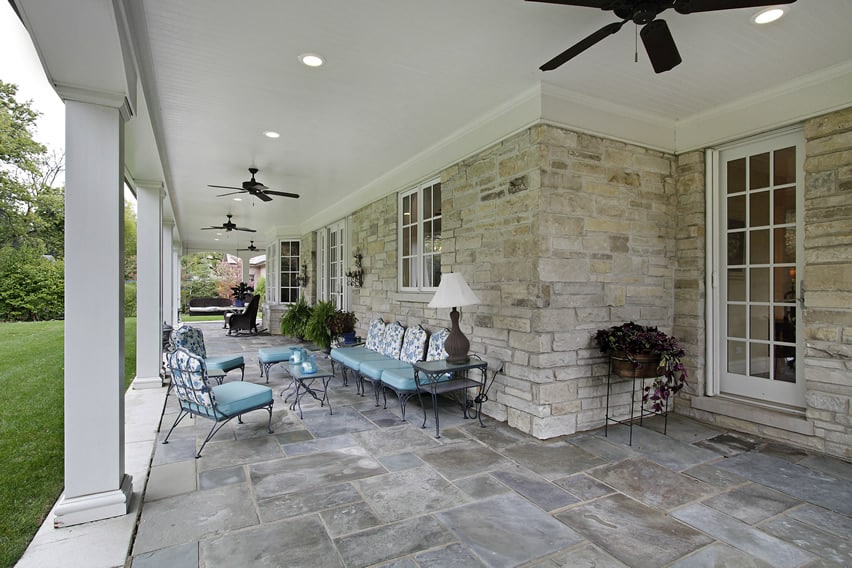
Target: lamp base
x=456, y=345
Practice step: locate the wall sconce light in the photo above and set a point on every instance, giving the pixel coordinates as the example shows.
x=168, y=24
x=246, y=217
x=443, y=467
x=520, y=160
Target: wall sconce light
x=302, y=279
x=355, y=277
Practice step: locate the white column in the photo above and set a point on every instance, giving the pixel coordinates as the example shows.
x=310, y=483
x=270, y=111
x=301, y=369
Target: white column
x=169, y=293
x=96, y=485
x=177, y=252
x=149, y=311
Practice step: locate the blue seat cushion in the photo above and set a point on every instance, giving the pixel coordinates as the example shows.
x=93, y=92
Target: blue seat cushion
x=373, y=369
x=236, y=398
x=274, y=354
x=354, y=360
x=225, y=362
x=341, y=353
x=403, y=379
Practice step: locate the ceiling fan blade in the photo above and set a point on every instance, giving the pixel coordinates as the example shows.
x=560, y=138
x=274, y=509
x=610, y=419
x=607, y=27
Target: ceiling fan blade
x=211, y=228
x=252, y=185
x=261, y=195
x=230, y=193
x=660, y=46
x=582, y=45
x=602, y=4
x=690, y=6
x=244, y=229
x=282, y=193
x=227, y=187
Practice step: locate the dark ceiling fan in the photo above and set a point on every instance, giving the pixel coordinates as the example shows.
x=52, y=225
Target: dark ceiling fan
x=255, y=188
x=228, y=226
x=251, y=247
x=655, y=33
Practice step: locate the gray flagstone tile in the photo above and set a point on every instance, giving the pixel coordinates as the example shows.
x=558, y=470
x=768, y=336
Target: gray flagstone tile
x=191, y=516
x=752, y=503
x=720, y=555
x=498, y=435
x=664, y=450
x=831, y=466
x=651, y=483
x=729, y=444
x=319, y=445
x=180, y=556
x=295, y=542
x=350, y=518
x=409, y=493
x=307, y=472
x=392, y=541
x=681, y=428
x=481, y=486
x=603, y=447
x=345, y=420
x=584, y=487
x=507, y=530
x=220, y=477
x=552, y=460
x=811, y=539
x=840, y=525
x=463, y=459
x=589, y=556
x=318, y=499
x=796, y=480
x=218, y=454
x=775, y=551
x=388, y=441
x=538, y=490
x=712, y=474
x=401, y=461
x=452, y=556
x=633, y=533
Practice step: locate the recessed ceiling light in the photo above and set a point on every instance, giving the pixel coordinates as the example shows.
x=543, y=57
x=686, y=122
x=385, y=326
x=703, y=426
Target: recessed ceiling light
x=271, y=134
x=311, y=60
x=238, y=199
x=768, y=15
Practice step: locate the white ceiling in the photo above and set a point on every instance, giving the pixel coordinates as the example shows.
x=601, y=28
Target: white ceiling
x=405, y=76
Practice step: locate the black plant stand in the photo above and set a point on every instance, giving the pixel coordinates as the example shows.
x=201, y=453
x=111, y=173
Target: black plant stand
x=643, y=412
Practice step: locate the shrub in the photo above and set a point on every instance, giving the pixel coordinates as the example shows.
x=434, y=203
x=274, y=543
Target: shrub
x=130, y=299
x=294, y=321
x=317, y=329
x=32, y=286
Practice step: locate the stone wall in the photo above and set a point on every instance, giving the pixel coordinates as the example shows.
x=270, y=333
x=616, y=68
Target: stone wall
x=560, y=234
x=828, y=279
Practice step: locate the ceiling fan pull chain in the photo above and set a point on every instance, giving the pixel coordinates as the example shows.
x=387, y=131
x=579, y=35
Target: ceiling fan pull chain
x=636, y=43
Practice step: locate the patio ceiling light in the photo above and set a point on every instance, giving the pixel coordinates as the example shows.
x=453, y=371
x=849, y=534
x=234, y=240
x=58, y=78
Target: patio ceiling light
x=271, y=134
x=768, y=15
x=311, y=60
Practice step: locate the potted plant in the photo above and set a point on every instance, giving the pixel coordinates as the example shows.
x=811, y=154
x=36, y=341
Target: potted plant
x=343, y=323
x=317, y=329
x=640, y=351
x=241, y=293
x=295, y=319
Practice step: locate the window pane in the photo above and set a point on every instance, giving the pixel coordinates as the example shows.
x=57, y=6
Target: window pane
x=785, y=166
x=427, y=202
x=736, y=248
x=785, y=244
x=736, y=285
x=758, y=214
x=785, y=285
x=736, y=176
x=759, y=322
x=759, y=247
x=759, y=363
x=785, y=205
x=736, y=357
x=736, y=321
x=427, y=237
x=436, y=270
x=759, y=285
x=736, y=212
x=436, y=200
x=406, y=272
x=758, y=174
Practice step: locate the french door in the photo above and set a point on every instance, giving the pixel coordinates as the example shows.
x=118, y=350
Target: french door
x=760, y=203
x=331, y=248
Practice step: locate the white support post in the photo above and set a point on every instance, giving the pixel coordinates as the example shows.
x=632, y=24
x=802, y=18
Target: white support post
x=96, y=485
x=149, y=314
x=169, y=293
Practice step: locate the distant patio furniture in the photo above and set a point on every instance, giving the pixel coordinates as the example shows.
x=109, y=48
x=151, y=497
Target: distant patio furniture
x=207, y=306
x=246, y=321
x=220, y=403
x=192, y=339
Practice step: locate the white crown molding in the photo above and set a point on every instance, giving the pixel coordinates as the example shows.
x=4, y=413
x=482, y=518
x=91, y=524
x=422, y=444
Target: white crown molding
x=103, y=98
x=812, y=95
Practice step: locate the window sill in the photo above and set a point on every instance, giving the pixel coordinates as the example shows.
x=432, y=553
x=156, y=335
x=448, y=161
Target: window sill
x=416, y=297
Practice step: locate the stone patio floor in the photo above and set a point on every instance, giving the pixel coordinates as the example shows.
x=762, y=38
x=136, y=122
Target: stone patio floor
x=360, y=488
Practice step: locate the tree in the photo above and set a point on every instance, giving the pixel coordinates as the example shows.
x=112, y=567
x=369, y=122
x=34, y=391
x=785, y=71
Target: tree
x=129, y=241
x=32, y=210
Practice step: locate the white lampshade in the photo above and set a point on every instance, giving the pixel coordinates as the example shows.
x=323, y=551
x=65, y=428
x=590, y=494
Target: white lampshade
x=452, y=292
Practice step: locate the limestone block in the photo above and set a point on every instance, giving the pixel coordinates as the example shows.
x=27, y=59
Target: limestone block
x=556, y=391
x=552, y=426
x=829, y=123
x=831, y=403
x=830, y=161
x=554, y=359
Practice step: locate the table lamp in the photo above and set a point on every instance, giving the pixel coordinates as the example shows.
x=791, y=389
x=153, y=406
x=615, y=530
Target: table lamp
x=453, y=292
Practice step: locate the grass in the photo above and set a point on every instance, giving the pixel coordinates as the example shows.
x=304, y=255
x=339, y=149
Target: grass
x=32, y=426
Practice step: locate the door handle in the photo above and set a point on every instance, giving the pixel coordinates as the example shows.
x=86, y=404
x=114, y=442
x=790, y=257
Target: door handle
x=802, y=294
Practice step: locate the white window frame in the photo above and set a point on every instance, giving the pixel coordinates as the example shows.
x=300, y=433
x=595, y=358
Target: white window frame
x=280, y=271
x=336, y=232
x=420, y=254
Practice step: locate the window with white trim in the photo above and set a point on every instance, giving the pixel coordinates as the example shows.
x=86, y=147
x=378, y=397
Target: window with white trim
x=420, y=237
x=290, y=256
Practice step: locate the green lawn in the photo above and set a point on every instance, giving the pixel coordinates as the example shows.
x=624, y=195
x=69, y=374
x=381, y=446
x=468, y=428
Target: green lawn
x=31, y=426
